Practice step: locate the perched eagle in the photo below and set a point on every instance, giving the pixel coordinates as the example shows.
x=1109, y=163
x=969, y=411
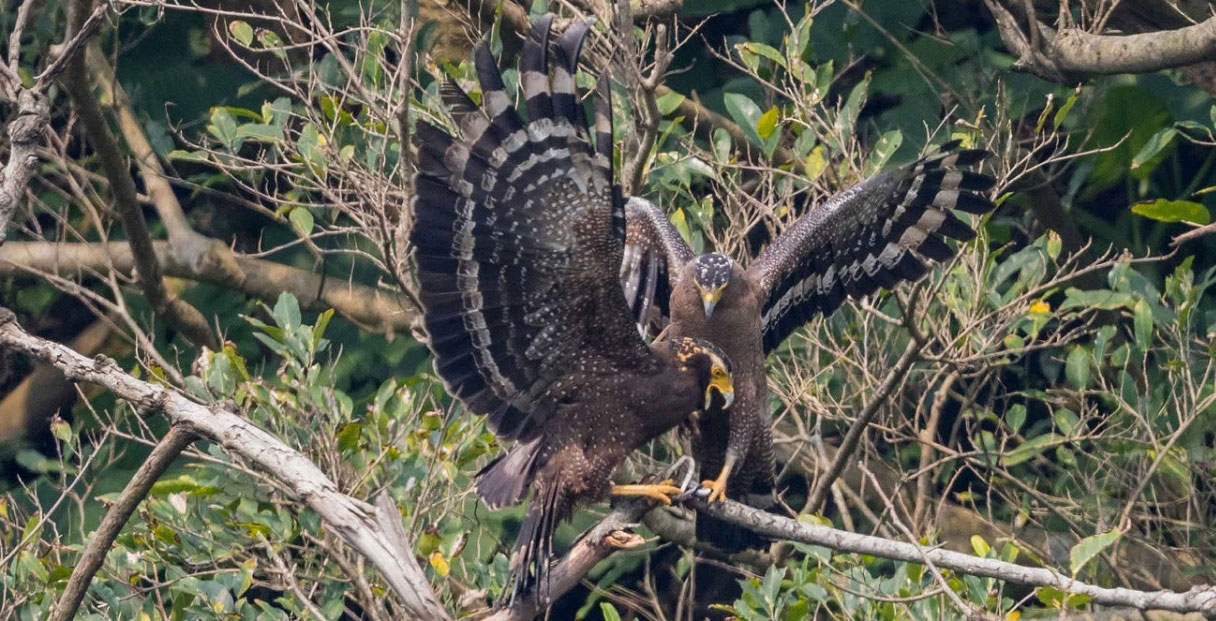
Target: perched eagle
x=878, y=233
x=519, y=230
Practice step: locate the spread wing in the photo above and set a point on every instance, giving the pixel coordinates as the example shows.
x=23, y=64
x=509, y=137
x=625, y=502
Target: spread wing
x=519, y=230
x=654, y=255
x=875, y=234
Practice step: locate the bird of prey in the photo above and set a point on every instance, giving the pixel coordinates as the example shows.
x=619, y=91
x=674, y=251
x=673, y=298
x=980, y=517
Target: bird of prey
x=876, y=234
x=519, y=230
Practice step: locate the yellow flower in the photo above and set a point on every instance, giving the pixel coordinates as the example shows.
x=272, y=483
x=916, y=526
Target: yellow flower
x=1040, y=307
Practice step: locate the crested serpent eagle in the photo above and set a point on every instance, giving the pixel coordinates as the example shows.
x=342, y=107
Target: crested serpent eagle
x=519, y=231
x=876, y=234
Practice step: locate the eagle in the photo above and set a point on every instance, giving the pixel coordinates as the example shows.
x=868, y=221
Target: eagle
x=878, y=233
x=518, y=231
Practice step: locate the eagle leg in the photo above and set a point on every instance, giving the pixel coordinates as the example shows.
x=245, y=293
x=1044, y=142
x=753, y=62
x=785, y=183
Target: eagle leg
x=717, y=487
x=662, y=491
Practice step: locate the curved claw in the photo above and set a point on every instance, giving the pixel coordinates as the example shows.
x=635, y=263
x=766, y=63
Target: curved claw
x=717, y=489
x=663, y=491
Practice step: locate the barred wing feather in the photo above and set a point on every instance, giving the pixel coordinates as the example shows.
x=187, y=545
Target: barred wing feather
x=876, y=234
x=519, y=232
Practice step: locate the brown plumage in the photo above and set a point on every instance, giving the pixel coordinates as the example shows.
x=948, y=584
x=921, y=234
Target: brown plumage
x=519, y=231
x=876, y=234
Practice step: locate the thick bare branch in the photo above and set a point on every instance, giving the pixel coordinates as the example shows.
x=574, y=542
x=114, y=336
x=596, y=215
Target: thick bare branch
x=1070, y=54
x=181, y=315
x=376, y=309
x=25, y=134
x=597, y=544
x=355, y=521
x=159, y=460
x=1198, y=599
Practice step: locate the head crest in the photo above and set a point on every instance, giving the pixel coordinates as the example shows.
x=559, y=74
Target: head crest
x=712, y=271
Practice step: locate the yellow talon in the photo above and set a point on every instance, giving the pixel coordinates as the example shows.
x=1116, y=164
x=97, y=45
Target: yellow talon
x=717, y=488
x=662, y=491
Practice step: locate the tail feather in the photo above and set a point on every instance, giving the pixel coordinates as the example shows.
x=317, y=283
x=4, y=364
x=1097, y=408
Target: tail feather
x=534, y=547
x=565, y=95
x=534, y=70
x=505, y=480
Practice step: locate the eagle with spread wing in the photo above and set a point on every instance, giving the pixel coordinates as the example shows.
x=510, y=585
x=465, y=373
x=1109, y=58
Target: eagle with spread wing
x=519, y=230
x=881, y=232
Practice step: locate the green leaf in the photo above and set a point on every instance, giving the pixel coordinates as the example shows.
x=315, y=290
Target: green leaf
x=1089, y=547
x=1164, y=210
x=669, y=101
x=883, y=150
x=1150, y=156
x=1030, y=449
x=260, y=132
x=766, y=51
x=223, y=126
x=348, y=436
x=745, y=113
x=1076, y=367
x=62, y=431
x=1056, y=598
x=1102, y=299
x=1062, y=113
x=852, y=107
x=188, y=156
x=1054, y=245
x=609, y=612
x=242, y=32
x=302, y=219
x=980, y=546
x=1142, y=318
x=1015, y=416
x=767, y=123
x=287, y=311
x=679, y=221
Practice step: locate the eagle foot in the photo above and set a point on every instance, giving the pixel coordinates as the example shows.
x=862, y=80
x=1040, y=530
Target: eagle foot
x=716, y=487
x=623, y=540
x=662, y=491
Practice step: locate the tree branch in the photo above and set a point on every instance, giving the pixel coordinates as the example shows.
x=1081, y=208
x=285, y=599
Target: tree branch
x=358, y=523
x=376, y=309
x=94, y=554
x=182, y=316
x=1198, y=599
x=598, y=543
x=853, y=435
x=1071, y=54
x=25, y=133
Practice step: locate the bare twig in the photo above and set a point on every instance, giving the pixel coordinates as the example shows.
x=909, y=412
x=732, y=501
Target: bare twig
x=1196, y=233
x=69, y=50
x=853, y=435
x=169, y=447
x=357, y=522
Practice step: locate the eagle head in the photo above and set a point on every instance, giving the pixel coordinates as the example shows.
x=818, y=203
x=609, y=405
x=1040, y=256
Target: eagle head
x=711, y=366
x=711, y=273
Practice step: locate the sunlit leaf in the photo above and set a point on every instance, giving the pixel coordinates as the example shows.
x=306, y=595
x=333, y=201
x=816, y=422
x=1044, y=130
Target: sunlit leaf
x=1164, y=210
x=1089, y=547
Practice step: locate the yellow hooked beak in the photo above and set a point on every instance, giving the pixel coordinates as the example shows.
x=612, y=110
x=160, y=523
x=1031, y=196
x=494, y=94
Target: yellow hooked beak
x=709, y=299
x=723, y=385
